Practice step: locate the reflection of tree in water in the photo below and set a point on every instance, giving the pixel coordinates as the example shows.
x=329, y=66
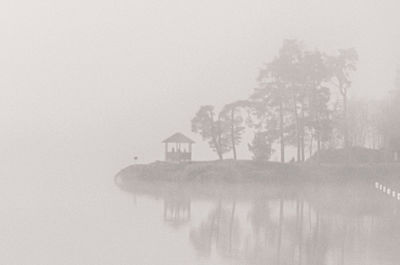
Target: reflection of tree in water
x=264, y=232
x=293, y=232
x=177, y=210
x=352, y=226
x=281, y=229
x=219, y=231
x=309, y=225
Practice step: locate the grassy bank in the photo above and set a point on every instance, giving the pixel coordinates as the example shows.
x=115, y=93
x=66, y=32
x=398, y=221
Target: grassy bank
x=249, y=170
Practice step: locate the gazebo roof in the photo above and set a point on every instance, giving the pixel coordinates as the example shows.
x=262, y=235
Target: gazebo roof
x=178, y=138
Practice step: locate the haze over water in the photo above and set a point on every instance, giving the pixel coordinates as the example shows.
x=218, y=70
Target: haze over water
x=83, y=217
x=87, y=85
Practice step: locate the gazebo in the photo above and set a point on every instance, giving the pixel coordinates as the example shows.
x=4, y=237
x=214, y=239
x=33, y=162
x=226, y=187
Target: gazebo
x=178, y=148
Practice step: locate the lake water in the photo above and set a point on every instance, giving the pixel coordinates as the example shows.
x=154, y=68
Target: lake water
x=85, y=217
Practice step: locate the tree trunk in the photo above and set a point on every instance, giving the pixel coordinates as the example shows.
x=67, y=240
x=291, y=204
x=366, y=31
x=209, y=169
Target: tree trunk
x=216, y=136
x=346, y=126
x=233, y=133
x=298, y=148
x=302, y=130
x=219, y=145
x=318, y=140
x=296, y=116
x=281, y=132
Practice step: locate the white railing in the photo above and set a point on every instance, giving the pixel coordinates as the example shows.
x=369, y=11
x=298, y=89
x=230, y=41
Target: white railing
x=387, y=190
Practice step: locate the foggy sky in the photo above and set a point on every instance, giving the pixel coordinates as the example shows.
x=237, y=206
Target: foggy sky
x=108, y=80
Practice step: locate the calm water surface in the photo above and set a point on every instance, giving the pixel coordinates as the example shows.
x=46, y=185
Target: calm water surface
x=336, y=223
x=84, y=217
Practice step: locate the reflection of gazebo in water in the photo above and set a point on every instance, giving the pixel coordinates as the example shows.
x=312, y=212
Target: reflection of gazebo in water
x=178, y=147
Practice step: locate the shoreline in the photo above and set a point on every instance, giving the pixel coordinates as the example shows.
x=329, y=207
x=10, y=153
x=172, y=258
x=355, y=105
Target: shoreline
x=242, y=171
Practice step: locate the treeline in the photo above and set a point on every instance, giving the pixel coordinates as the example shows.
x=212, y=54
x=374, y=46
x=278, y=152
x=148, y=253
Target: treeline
x=302, y=101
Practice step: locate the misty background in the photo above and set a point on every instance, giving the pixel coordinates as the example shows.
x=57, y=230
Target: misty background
x=88, y=82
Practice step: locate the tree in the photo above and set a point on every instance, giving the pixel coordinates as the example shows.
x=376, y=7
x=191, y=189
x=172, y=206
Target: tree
x=270, y=107
x=261, y=146
x=316, y=115
x=212, y=128
x=342, y=66
x=390, y=126
x=274, y=94
x=287, y=67
x=231, y=116
x=364, y=124
x=293, y=95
